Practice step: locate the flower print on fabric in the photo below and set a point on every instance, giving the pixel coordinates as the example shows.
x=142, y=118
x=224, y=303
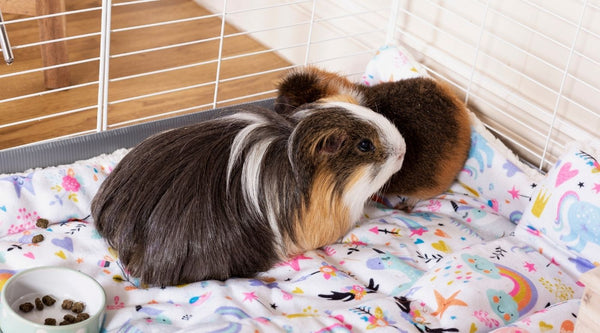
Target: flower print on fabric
x=68, y=187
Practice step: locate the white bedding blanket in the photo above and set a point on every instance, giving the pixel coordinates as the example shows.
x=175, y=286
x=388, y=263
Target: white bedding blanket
x=451, y=263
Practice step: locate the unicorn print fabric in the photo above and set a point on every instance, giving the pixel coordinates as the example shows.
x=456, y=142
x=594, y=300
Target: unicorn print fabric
x=562, y=219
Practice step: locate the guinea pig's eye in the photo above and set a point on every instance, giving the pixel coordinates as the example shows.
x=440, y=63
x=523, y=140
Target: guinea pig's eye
x=365, y=145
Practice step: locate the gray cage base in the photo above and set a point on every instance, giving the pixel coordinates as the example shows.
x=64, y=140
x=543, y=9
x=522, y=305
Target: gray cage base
x=66, y=151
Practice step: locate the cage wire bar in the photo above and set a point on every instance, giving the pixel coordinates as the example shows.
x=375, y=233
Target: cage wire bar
x=220, y=54
x=223, y=15
x=310, y=29
x=477, y=70
x=477, y=50
x=562, y=85
x=105, y=58
x=104, y=66
x=473, y=75
x=219, y=60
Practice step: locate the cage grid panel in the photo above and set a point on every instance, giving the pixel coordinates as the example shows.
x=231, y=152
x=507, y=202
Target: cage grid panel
x=529, y=69
x=530, y=75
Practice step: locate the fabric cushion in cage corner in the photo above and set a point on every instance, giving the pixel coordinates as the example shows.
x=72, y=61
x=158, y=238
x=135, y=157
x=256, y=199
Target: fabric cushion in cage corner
x=487, y=286
x=491, y=191
x=563, y=218
x=495, y=175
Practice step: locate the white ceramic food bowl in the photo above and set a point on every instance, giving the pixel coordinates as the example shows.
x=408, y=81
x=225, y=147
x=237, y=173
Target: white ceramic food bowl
x=60, y=283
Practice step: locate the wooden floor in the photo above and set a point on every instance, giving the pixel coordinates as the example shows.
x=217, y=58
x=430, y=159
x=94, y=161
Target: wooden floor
x=121, y=110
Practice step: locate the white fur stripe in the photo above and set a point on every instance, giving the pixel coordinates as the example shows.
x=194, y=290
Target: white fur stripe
x=354, y=197
x=255, y=121
x=251, y=183
x=272, y=199
x=251, y=172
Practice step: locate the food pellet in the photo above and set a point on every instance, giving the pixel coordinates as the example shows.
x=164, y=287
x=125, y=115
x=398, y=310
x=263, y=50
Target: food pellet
x=48, y=300
x=42, y=223
x=38, y=304
x=83, y=316
x=26, y=307
x=67, y=304
x=78, y=307
x=37, y=238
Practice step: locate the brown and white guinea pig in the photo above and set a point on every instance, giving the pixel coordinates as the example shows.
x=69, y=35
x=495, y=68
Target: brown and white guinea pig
x=231, y=196
x=432, y=120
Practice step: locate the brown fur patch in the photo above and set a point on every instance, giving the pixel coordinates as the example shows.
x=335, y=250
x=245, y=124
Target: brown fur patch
x=325, y=219
x=455, y=158
x=331, y=83
x=339, y=98
x=309, y=84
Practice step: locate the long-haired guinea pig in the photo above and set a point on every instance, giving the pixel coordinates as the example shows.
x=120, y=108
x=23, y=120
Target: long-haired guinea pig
x=231, y=196
x=432, y=120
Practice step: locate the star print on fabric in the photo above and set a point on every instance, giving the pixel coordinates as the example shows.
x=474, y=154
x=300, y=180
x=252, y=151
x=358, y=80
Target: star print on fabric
x=445, y=303
x=251, y=296
x=596, y=188
x=580, y=184
x=514, y=193
x=530, y=267
x=21, y=182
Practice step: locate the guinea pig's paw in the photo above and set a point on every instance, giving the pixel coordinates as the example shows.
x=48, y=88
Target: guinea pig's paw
x=407, y=204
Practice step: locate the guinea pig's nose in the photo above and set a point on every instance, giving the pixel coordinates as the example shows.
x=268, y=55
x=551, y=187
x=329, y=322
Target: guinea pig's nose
x=401, y=154
x=400, y=160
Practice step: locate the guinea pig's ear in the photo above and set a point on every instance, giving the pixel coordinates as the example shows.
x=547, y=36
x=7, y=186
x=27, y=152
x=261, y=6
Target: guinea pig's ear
x=298, y=87
x=331, y=142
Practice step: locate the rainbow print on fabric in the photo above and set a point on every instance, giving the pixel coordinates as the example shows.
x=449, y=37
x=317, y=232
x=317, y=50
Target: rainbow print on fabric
x=508, y=306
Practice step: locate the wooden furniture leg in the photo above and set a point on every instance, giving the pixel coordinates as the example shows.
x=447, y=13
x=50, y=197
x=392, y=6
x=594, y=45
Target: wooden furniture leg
x=54, y=53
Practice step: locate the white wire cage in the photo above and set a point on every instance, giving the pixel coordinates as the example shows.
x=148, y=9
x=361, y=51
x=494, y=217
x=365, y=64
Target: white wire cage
x=529, y=69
